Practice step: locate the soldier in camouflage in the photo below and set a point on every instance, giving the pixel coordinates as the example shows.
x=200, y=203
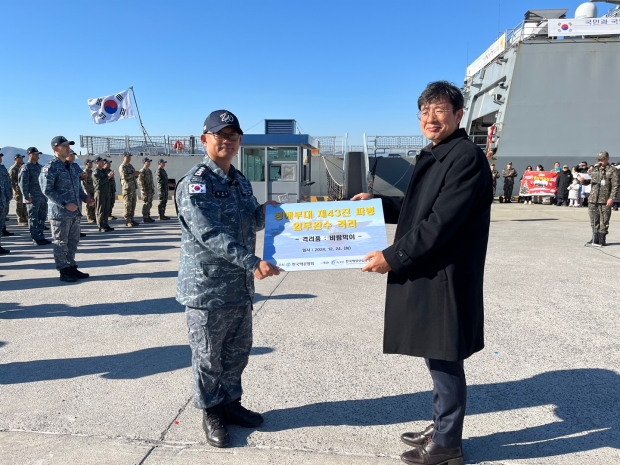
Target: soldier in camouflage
x=36, y=202
x=219, y=217
x=81, y=175
x=20, y=209
x=60, y=182
x=6, y=196
x=162, y=187
x=89, y=188
x=129, y=186
x=509, y=175
x=495, y=175
x=3, y=214
x=147, y=190
x=107, y=165
x=604, y=189
x=101, y=181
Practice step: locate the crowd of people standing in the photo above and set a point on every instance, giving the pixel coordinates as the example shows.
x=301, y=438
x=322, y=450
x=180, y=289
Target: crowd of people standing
x=56, y=191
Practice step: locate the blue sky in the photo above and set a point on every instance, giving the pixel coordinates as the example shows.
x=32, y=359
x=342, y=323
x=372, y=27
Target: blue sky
x=335, y=66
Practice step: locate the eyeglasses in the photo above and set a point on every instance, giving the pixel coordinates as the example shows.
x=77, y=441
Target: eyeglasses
x=231, y=136
x=437, y=113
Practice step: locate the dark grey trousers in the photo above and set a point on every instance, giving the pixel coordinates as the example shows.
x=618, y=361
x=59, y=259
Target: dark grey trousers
x=221, y=341
x=37, y=213
x=65, y=235
x=449, y=401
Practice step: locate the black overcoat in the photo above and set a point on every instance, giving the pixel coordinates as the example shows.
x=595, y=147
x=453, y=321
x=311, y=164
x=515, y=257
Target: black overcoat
x=434, y=299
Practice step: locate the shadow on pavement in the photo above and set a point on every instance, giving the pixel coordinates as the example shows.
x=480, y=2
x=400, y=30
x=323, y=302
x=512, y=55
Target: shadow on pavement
x=584, y=401
x=41, y=283
x=260, y=297
x=84, y=264
x=130, y=365
x=14, y=311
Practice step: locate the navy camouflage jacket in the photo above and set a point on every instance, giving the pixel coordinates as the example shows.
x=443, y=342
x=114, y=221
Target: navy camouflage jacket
x=29, y=182
x=219, y=217
x=5, y=180
x=60, y=182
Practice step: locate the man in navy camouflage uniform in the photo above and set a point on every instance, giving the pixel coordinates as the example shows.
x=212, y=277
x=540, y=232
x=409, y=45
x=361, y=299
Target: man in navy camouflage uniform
x=219, y=217
x=4, y=191
x=36, y=202
x=6, y=196
x=60, y=183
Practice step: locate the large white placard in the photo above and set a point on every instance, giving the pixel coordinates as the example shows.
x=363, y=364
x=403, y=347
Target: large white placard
x=584, y=27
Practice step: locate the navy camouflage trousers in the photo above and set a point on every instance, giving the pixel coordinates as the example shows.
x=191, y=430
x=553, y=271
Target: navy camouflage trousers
x=65, y=235
x=221, y=341
x=37, y=213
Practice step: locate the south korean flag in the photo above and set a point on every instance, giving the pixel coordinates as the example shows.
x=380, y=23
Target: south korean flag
x=197, y=189
x=111, y=108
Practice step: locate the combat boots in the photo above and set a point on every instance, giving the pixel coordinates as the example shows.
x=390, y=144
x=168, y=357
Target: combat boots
x=4, y=251
x=148, y=219
x=602, y=240
x=77, y=273
x=7, y=233
x=594, y=242
x=214, y=427
x=67, y=276
x=163, y=217
x=237, y=414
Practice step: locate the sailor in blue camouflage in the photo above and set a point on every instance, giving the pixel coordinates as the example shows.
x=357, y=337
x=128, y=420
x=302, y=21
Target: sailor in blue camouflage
x=7, y=193
x=36, y=202
x=3, y=211
x=60, y=183
x=219, y=218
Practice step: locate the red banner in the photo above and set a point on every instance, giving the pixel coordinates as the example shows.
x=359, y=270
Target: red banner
x=538, y=183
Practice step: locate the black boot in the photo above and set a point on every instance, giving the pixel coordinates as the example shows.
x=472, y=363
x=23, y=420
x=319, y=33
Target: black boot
x=77, y=273
x=67, y=276
x=237, y=414
x=593, y=241
x=4, y=251
x=214, y=427
x=602, y=239
x=6, y=233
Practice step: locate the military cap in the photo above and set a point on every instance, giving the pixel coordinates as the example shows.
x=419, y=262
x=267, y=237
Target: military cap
x=32, y=150
x=602, y=155
x=146, y=159
x=18, y=155
x=98, y=159
x=161, y=160
x=220, y=119
x=61, y=140
x=88, y=161
x=127, y=154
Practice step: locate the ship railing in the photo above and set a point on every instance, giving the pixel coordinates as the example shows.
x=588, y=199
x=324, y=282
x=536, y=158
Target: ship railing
x=331, y=146
x=394, y=145
x=150, y=145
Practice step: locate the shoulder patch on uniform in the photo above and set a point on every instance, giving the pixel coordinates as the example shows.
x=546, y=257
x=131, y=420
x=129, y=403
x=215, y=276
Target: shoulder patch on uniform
x=197, y=188
x=45, y=168
x=199, y=172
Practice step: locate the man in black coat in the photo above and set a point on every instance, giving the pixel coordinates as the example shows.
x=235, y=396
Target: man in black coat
x=562, y=181
x=434, y=298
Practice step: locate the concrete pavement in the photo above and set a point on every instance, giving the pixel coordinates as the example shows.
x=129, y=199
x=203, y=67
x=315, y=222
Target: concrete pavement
x=98, y=371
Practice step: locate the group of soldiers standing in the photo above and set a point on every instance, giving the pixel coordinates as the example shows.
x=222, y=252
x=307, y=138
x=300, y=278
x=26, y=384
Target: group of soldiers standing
x=21, y=183
x=101, y=184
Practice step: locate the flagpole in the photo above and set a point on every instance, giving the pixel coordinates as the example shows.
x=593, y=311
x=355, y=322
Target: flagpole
x=147, y=138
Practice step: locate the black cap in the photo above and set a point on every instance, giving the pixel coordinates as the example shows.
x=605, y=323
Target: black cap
x=72, y=152
x=88, y=160
x=219, y=120
x=146, y=159
x=127, y=154
x=61, y=140
x=32, y=150
x=161, y=160
x=106, y=161
x=98, y=159
x=1, y=154
x=18, y=155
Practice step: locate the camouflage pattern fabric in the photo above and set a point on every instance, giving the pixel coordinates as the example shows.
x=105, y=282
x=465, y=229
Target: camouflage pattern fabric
x=509, y=175
x=20, y=209
x=495, y=175
x=5, y=180
x=89, y=188
x=112, y=195
x=60, y=183
x=31, y=190
x=3, y=212
x=145, y=180
x=129, y=204
x=162, y=188
x=219, y=217
x=221, y=341
x=128, y=176
x=65, y=236
x=102, y=197
x=605, y=185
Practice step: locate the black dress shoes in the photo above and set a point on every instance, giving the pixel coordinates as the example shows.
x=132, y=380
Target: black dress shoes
x=214, y=427
x=237, y=414
x=432, y=453
x=418, y=439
